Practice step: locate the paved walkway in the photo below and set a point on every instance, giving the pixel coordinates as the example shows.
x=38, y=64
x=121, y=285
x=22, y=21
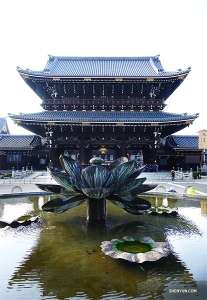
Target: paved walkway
x=164, y=182
x=25, y=185
x=179, y=185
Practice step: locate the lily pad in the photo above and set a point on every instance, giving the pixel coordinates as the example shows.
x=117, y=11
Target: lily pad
x=139, y=251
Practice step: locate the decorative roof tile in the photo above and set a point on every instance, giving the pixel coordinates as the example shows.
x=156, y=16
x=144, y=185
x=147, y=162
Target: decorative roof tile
x=60, y=66
x=21, y=142
x=97, y=117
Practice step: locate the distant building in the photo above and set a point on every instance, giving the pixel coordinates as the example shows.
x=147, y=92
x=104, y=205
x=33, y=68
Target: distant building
x=179, y=151
x=4, y=129
x=18, y=151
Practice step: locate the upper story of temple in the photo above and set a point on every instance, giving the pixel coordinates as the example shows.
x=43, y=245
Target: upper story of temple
x=103, y=83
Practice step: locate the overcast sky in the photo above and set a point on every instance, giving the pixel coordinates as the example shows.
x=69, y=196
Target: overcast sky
x=175, y=29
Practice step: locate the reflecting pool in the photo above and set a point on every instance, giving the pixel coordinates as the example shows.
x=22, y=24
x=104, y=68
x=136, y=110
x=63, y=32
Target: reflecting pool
x=61, y=258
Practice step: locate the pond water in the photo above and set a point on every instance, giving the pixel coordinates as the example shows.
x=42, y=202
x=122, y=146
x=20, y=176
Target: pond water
x=61, y=258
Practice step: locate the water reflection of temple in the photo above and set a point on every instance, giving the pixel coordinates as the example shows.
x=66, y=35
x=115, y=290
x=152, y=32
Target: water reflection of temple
x=67, y=257
x=67, y=262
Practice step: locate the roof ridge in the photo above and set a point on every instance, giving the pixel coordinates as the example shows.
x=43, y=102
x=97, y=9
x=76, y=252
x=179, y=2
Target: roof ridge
x=103, y=66
x=53, y=57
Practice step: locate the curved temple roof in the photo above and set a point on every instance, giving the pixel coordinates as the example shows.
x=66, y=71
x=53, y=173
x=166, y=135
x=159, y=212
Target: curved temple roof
x=103, y=117
x=183, y=142
x=21, y=142
x=60, y=66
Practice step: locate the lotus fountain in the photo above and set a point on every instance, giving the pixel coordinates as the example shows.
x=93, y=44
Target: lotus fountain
x=66, y=255
x=117, y=182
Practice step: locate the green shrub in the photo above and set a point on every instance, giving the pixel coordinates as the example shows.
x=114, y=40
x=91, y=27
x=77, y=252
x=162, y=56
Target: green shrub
x=197, y=175
x=8, y=175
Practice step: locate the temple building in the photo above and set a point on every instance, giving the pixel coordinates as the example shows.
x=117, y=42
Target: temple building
x=17, y=151
x=105, y=106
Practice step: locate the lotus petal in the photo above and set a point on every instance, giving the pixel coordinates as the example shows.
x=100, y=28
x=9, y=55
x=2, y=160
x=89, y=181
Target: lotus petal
x=137, y=205
x=66, y=181
x=118, y=203
x=123, y=171
x=97, y=193
x=141, y=189
x=42, y=186
x=3, y=224
x=96, y=177
x=16, y=224
x=60, y=205
x=118, y=162
x=114, y=197
x=138, y=190
x=134, y=204
x=67, y=207
x=71, y=167
x=135, y=173
x=127, y=208
x=134, y=211
x=128, y=186
x=54, y=188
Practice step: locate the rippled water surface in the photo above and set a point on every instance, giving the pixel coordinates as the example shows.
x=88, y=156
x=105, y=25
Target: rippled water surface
x=61, y=258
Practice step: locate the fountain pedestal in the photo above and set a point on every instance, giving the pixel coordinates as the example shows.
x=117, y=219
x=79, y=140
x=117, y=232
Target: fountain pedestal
x=96, y=211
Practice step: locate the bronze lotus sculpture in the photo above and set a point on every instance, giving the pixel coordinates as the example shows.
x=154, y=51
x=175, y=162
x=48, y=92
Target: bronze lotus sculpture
x=117, y=182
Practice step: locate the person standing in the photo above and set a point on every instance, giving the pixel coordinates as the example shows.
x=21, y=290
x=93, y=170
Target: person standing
x=172, y=174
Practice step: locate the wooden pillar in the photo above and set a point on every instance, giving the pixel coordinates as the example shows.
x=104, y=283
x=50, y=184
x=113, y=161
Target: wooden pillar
x=82, y=150
x=51, y=149
x=154, y=154
x=123, y=146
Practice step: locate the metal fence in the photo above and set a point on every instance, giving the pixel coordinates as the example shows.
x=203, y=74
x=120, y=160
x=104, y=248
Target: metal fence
x=27, y=180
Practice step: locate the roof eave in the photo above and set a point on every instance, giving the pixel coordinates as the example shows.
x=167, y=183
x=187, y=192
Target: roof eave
x=151, y=123
x=27, y=75
x=17, y=148
x=189, y=149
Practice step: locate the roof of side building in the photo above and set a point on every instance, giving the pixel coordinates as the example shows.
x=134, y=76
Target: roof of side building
x=183, y=141
x=18, y=142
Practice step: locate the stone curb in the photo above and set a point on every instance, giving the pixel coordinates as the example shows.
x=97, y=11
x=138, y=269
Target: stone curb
x=174, y=195
x=24, y=194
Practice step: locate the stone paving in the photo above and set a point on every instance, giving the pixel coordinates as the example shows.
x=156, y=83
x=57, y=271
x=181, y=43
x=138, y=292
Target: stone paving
x=24, y=185
x=179, y=185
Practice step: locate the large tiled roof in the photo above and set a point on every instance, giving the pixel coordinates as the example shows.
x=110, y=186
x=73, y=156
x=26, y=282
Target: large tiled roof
x=21, y=142
x=183, y=141
x=103, y=117
x=60, y=66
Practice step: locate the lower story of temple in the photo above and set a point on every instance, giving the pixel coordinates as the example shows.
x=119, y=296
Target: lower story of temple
x=43, y=155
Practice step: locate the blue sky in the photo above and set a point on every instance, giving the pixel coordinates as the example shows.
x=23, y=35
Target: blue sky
x=175, y=29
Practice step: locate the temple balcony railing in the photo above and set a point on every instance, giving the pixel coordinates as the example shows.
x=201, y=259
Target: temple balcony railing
x=103, y=101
